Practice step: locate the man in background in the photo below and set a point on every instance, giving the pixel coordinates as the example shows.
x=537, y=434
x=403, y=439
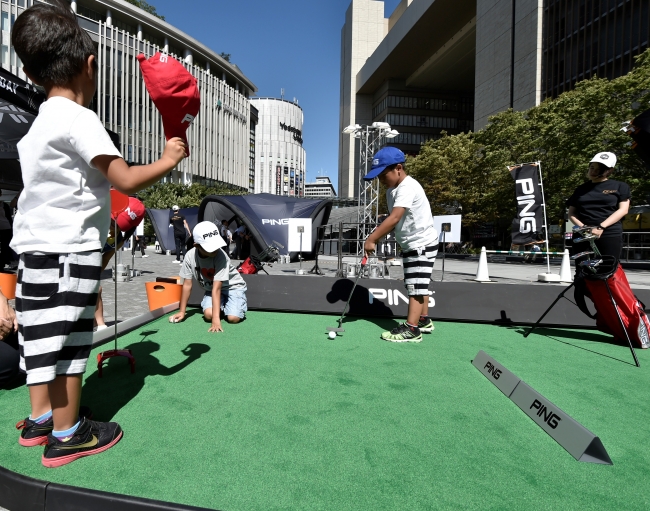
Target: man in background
x=181, y=231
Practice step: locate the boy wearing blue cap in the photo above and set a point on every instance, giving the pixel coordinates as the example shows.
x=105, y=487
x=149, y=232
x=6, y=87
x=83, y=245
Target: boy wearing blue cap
x=410, y=217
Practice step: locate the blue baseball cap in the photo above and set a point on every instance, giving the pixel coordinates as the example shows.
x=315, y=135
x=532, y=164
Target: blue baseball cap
x=384, y=158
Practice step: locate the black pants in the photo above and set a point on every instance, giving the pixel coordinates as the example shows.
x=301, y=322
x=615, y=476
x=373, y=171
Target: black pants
x=138, y=243
x=609, y=245
x=8, y=359
x=5, y=252
x=180, y=246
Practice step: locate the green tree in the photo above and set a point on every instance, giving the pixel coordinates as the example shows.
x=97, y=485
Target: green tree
x=147, y=8
x=470, y=171
x=166, y=195
x=225, y=56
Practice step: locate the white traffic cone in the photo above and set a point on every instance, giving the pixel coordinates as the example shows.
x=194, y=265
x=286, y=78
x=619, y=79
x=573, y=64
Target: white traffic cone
x=565, y=270
x=482, y=272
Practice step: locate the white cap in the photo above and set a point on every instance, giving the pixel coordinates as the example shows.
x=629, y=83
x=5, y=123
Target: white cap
x=607, y=159
x=206, y=234
x=175, y=207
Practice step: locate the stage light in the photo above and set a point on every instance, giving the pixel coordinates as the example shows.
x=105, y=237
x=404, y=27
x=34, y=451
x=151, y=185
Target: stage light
x=381, y=125
x=392, y=133
x=352, y=128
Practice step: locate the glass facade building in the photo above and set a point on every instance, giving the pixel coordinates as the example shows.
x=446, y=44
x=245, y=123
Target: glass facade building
x=584, y=38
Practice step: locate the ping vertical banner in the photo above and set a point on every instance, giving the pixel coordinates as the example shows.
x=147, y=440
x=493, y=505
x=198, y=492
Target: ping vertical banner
x=530, y=216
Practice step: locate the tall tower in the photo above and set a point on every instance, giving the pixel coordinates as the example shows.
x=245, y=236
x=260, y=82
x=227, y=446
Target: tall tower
x=364, y=28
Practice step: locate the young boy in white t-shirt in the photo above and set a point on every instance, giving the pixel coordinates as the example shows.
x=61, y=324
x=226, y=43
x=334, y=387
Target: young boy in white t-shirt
x=209, y=264
x=67, y=161
x=410, y=217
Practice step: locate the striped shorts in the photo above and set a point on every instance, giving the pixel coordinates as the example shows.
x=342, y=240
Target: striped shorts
x=418, y=265
x=56, y=296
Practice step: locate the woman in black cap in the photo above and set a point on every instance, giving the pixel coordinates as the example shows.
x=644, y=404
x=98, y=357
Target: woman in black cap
x=601, y=203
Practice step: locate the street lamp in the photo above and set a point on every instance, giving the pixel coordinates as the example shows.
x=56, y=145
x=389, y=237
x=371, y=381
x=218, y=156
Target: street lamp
x=371, y=138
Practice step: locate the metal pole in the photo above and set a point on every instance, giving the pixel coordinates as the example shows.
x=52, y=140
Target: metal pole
x=339, y=272
x=443, y=257
x=115, y=231
x=541, y=185
x=133, y=255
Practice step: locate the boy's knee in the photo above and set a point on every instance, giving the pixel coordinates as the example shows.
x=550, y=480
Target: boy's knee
x=207, y=314
x=233, y=319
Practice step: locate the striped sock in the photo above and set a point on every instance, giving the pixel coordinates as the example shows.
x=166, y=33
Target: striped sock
x=43, y=418
x=66, y=435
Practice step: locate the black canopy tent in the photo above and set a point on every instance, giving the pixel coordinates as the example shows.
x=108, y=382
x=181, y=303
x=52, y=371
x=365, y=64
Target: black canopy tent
x=19, y=102
x=266, y=217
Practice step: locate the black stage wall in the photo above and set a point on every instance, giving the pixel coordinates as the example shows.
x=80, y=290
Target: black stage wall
x=455, y=301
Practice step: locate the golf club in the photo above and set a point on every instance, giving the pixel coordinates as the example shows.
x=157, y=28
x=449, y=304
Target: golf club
x=339, y=328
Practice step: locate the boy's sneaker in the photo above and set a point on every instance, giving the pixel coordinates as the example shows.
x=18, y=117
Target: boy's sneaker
x=34, y=434
x=176, y=261
x=402, y=333
x=426, y=327
x=90, y=438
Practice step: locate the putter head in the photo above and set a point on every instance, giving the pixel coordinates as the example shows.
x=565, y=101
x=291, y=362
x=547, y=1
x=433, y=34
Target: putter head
x=581, y=254
x=334, y=329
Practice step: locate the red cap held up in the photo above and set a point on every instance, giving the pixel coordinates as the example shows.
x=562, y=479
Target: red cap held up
x=131, y=217
x=174, y=92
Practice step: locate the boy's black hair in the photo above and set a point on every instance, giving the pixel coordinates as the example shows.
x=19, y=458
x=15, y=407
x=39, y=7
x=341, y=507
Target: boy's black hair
x=51, y=44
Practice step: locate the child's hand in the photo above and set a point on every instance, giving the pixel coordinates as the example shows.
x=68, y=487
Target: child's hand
x=175, y=150
x=176, y=318
x=369, y=247
x=216, y=326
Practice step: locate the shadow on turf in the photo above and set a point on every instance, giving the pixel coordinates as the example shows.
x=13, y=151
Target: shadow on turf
x=117, y=387
x=360, y=306
x=578, y=335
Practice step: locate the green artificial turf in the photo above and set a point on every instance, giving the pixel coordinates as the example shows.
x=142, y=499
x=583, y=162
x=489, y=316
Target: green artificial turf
x=272, y=414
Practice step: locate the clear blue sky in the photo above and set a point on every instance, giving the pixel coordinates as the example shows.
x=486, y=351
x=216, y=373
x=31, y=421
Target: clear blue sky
x=290, y=44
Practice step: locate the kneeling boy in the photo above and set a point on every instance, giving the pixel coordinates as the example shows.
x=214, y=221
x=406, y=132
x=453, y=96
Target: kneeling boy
x=225, y=289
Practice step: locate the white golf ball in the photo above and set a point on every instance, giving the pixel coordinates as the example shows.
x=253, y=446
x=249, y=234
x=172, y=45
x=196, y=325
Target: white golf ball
x=332, y=335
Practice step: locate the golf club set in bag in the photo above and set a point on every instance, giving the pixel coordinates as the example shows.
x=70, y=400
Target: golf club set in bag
x=254, y=264
x=601, y=278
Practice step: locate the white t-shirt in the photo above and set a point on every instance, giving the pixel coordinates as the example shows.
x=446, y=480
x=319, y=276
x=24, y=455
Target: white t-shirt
x=415, y=229
x=210, y=269
x=65, y=206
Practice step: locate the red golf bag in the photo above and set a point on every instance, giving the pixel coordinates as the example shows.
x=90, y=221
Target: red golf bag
x=607, y=287
x=250, y=266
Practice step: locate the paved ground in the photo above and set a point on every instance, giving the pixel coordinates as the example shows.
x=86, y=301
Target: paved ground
x=132, y=297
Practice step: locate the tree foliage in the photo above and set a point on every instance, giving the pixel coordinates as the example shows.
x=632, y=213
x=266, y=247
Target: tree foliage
x=166, y=195
x=225, y=56
x=468, y=174
x=146, y=7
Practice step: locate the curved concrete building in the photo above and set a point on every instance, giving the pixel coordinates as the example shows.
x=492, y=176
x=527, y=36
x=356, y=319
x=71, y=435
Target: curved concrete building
x=280, y=160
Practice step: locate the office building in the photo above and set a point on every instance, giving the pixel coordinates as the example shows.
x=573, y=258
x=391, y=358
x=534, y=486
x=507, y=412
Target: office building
x=280, y=160
x=220, y=137
x=449, y=65
x=321, y=189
